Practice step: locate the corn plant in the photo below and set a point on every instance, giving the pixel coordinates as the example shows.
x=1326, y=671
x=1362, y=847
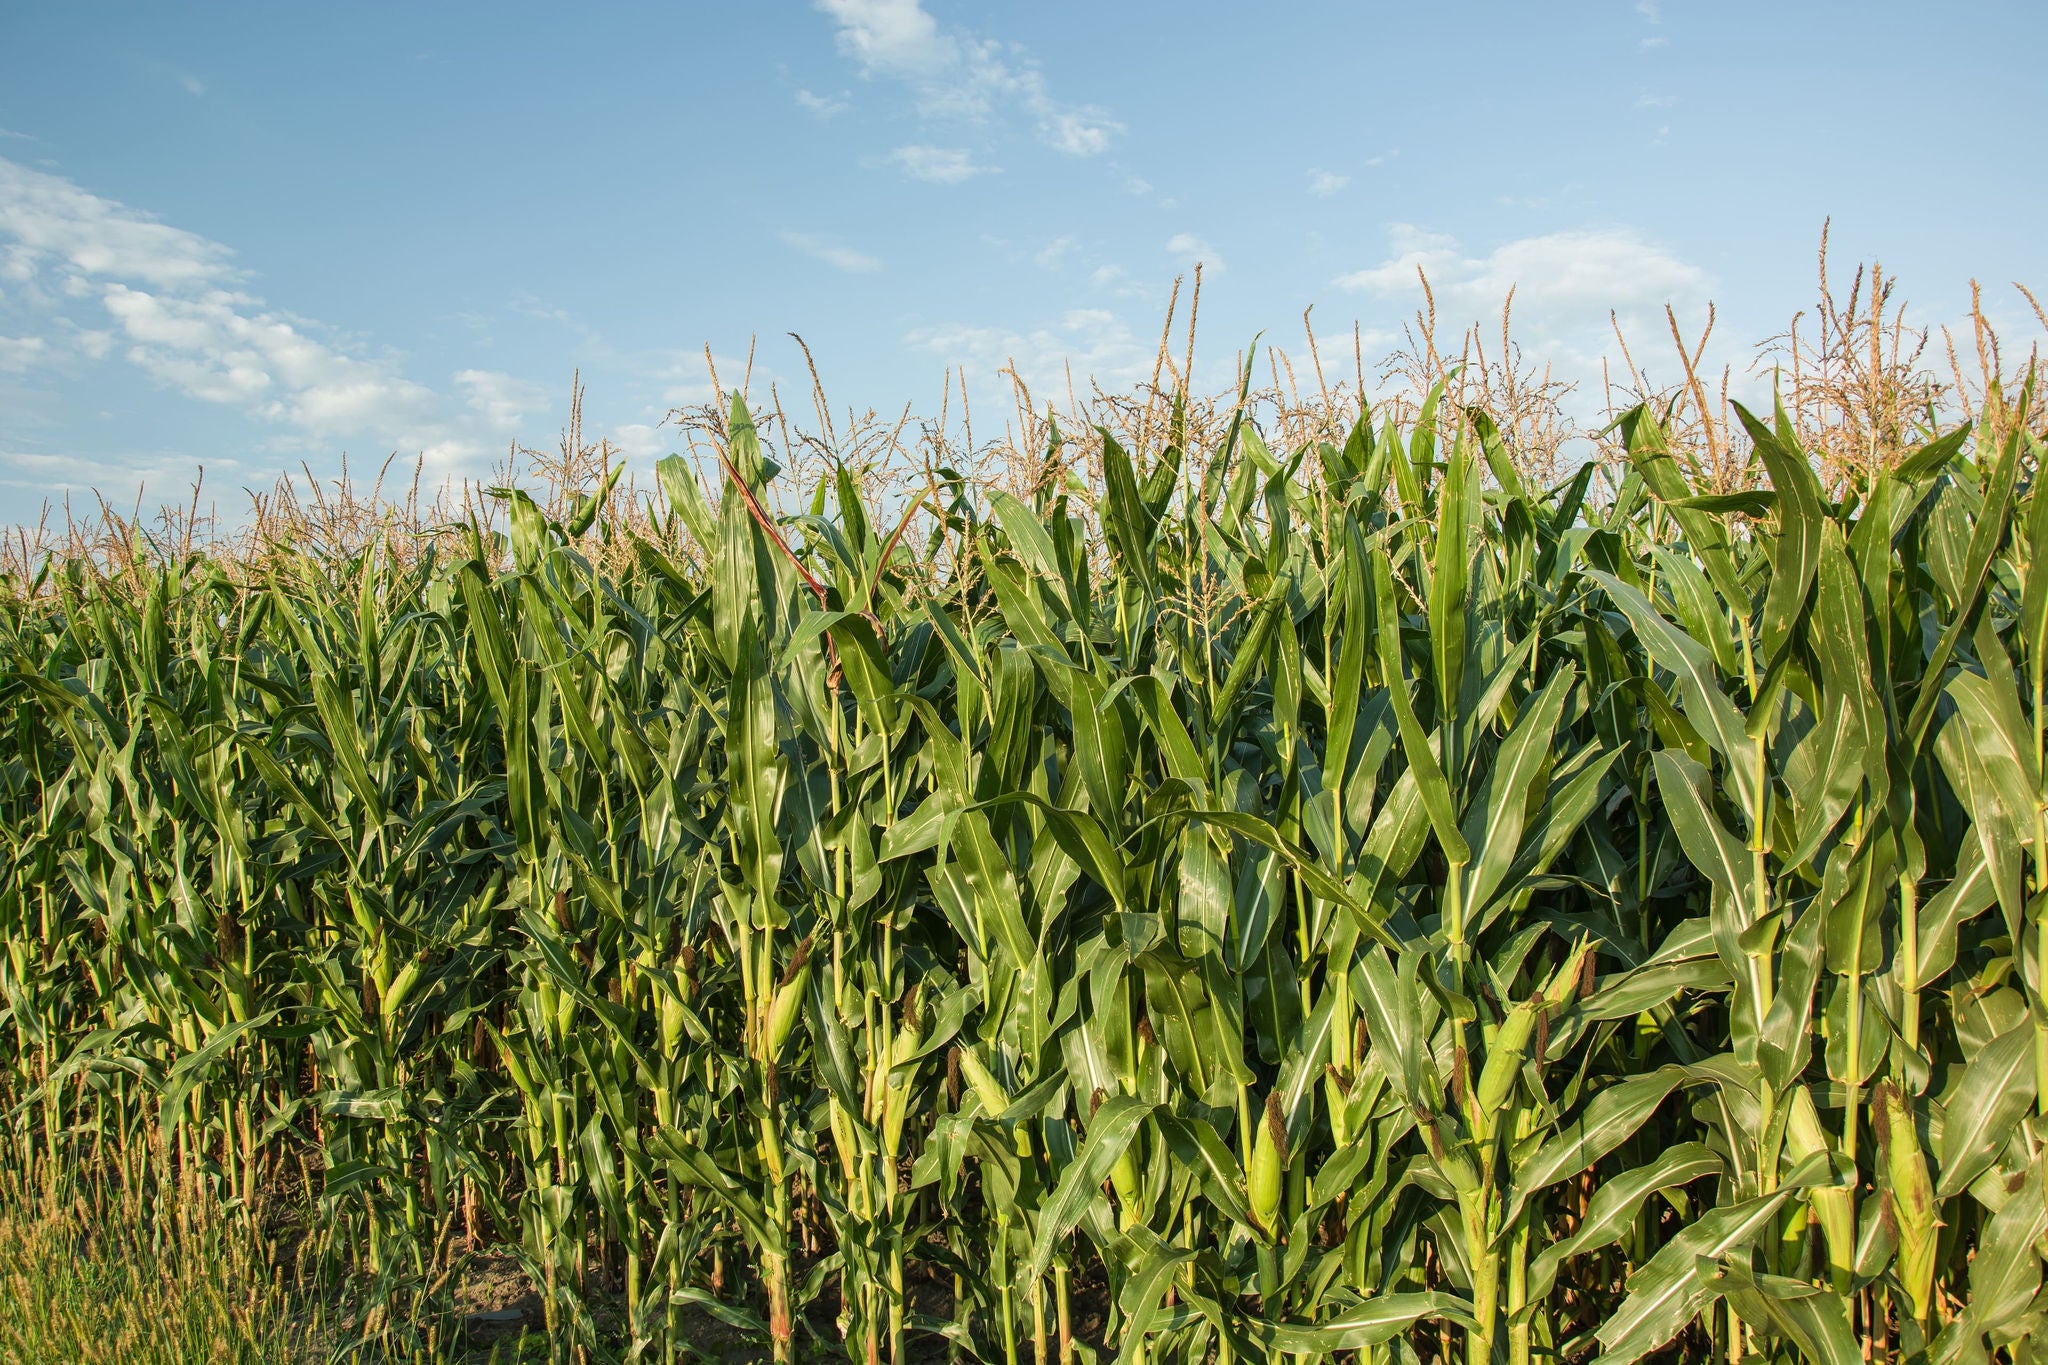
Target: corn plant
x=1347, y=902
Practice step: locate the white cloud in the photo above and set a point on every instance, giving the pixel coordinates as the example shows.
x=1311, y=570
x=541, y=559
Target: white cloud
x=1193, y=250
x=1138, y=185
x=1117, y=281
x=953, y=75
x=1323, y=184
x=45, y=474
x=192, y=84
x=821, y=105
x=1093, y=343
x=1593, y=269
x=1649, y=101
x=52, y=221
x=226, y=347
x=939, y=165
x=1570, y=290
x=1339, y=348
x=19, y=353
x=1054, y=254
x=686, y=379
x=502, y=400
x=640, y=441
x=99, y=278
x=895, y=37
x=1653, y=13
x=1077, y=132
x=832, y=254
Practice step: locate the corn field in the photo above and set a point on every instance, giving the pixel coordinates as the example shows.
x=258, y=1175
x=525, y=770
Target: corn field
x=1347, y=903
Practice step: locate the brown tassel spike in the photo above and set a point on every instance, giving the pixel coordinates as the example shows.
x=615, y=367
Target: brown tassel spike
x=797, y=961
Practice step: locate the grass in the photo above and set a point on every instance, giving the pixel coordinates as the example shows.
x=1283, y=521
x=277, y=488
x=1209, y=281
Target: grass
x=97, y=1267
x=94, y=1273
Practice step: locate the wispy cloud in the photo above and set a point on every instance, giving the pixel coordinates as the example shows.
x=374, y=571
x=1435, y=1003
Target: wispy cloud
x=178, y=302
x=1053, y=255
x=191, y=83
x=54, y=226
x=1593, y=266
x=227, y=347
x=96, y=278
x=641, y=440
x=939, y=165
x=686, y=378
x=954, y=75
x=823, y=106
x=1565, y=283
x=1323, y=184
x=19, y=354
x=46, y=474
x=1193, y=250
x=1118, y=282
x=1652, y=12
x=1088, y=343
x=503, y=400
x=831, y=253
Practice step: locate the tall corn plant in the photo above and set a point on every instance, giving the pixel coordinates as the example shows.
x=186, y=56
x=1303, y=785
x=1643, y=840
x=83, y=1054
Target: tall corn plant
x=1343, y=903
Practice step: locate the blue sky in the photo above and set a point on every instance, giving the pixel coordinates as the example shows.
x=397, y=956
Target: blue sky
x=247, y=236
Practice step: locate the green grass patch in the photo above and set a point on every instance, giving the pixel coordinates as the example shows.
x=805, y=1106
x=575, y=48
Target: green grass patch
x=94, y=1271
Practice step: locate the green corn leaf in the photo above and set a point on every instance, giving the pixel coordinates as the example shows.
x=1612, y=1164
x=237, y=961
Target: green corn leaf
x=190, y=1070
x=758, y=774
x=1110, y=1134
x=1669, y=1291
x=1651, y=457
x=1985, y=537
x=1144, y=1291
x=2006, y=1272
x=1500, y=810
x=1252, y=648
x=1613, y=1210
x=1198, y=1149
x=1028, y=536
x=1759, y=502
x=1812, y=1319
x=1609, y=1119
x=1705, y=704
x=684, y=495
x=1432, y=785
x=1707, y=842
x=1079, y=834
x=1377, y=1320
x=1997, y=1087
x=696, y=1167
x=1968, y=894
x=1795, y=556
x=1155, y=705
